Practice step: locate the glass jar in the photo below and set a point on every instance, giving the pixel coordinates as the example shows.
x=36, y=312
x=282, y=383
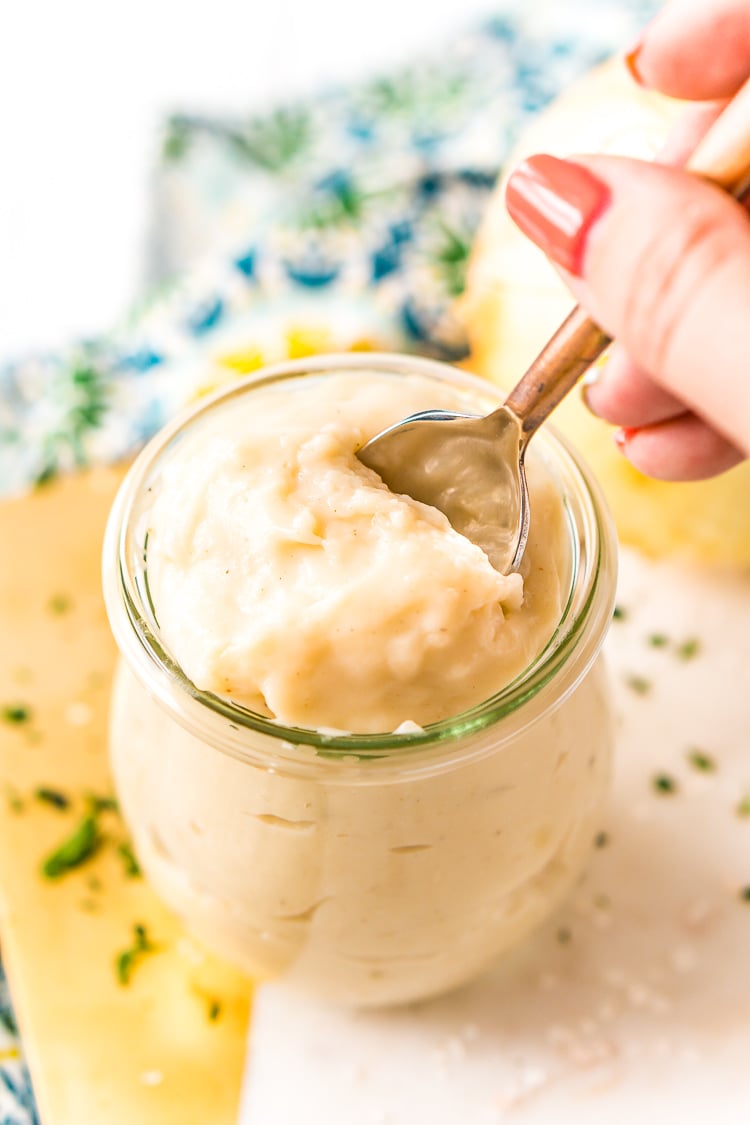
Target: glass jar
x=370, y=869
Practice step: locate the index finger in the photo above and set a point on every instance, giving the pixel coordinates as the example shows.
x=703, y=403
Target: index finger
x=696, y=50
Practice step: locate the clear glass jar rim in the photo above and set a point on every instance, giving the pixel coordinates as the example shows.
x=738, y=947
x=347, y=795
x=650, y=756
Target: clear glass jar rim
x=137, y=634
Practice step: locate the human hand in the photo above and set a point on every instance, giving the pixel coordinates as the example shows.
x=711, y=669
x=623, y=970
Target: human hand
x=660, y=258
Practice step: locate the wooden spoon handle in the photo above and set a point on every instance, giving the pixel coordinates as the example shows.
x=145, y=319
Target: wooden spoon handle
x=723, y=156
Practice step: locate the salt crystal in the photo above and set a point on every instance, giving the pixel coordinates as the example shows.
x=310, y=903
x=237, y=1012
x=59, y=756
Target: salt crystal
x=684, y=959
x=558, y=1035
x=698, y=913
x=78, y=714
x=152, y=1078
x=532, y=1077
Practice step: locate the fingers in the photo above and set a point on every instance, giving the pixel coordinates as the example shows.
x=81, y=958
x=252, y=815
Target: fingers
x=658, y=436
x=662, y=261
x=692, y=126
x=620, y=392
x=683, y=448
x=694, y=49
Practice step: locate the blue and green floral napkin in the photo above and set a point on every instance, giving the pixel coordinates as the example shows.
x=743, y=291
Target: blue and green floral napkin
x=344, y=221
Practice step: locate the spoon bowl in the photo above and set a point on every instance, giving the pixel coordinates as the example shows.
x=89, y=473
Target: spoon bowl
x=467, y=466
x=472, y=468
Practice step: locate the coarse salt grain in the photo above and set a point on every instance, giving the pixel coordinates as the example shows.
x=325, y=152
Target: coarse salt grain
x=151, y=1078
x=78, y=714
x=699, y=913
x=684, y=959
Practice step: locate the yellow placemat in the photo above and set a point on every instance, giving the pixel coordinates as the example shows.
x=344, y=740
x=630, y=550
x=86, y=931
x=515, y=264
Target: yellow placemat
x=166, y=1047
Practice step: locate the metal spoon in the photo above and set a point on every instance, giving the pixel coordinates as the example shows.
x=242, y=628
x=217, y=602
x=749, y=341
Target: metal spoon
x=472, y=468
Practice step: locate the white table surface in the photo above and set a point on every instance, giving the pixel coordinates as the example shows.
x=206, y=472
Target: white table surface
x=643, y=1015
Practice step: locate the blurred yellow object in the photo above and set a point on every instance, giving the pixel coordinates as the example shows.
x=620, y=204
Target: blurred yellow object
x=243, y=361
x=306, y=340
x=168, y=1047
x=296, y=340
x=514, y=300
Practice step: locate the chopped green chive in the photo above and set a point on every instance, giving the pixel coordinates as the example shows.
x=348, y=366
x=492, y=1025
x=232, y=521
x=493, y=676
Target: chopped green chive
x=689, y=649
x=126, y=961
x=52, y=797
x=60, y=603
x=16, y=713
x=619, y=613
x=701, y=761
x=130, y=863
x=745, y=894
x=77, y=849
x=601, y=840
x=743, y=807
x=98, y=804
x=639, y=684
x=658, y=640
x=214, y=1011
x=15, y=801
x=663, y=783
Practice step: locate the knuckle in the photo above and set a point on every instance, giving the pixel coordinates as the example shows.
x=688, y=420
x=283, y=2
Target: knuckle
x=674, y=267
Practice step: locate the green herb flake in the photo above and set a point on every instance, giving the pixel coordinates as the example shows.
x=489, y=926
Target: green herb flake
x=658, y=640
x=214, y=1010
x=742, y=808
x=16, y=713
x=689, y=649
x=664, y=784
x=79, y=847
x=7, y=1020
x=601, y=840
x=745, y=894
x=130, y=864
x=14, y=799
x=564, y=936
x=97, y=804
x=126, y=961
x=701, y=761
x=52, y=797
x=639, y=684
x=59, y=604
x=619, y=613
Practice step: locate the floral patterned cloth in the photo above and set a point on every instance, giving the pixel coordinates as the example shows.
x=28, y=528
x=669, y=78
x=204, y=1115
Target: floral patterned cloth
x=339, y=222
x=342, y=222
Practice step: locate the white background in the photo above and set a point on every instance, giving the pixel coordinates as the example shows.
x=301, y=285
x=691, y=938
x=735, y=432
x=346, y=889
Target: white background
x=83, y=87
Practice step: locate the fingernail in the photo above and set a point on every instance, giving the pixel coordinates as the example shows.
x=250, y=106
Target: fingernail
x=631, y=62
x=596, y=370
x=622, y=437
x=590, y=381
x=555, y=202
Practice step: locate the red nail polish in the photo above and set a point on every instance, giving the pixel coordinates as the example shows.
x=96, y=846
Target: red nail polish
x=555, y=202
x=622, y=436
x=631, y=62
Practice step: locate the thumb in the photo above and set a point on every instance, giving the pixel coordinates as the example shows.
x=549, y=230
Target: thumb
x=661, y=259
